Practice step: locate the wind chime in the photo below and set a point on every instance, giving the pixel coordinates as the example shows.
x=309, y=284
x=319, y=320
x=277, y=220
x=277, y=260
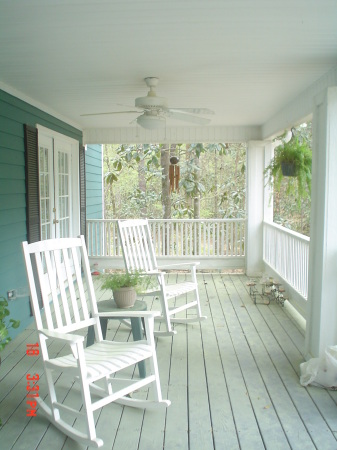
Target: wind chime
x=174, y=174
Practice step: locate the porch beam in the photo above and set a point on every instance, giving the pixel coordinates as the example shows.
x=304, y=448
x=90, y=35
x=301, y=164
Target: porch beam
x=185, y=134
x=322, y=290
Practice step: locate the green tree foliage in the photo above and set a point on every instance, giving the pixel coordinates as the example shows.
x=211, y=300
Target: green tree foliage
x=213, y=173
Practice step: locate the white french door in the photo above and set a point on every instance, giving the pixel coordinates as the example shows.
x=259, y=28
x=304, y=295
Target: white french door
x=59, y=194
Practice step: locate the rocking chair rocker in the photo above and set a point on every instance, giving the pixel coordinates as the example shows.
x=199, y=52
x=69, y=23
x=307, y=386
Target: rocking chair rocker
x=69, y=309
x=139, y=254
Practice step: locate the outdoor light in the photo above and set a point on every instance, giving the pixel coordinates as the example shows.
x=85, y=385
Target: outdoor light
x=151, y=121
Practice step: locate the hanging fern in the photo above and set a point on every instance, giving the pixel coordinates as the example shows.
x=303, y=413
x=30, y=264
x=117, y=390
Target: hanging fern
x=298, y=153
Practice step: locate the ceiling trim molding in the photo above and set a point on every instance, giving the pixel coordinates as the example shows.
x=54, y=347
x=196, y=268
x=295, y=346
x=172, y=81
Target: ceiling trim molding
x=300, y=109
x=137, y=135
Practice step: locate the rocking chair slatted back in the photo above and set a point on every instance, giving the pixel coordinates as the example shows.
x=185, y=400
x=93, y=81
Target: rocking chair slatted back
x=136, y=240
x=60, y=275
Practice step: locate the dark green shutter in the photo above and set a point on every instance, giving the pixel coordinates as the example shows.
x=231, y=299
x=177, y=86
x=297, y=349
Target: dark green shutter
x=82, y=192
x=32, y=194
x=32, y=184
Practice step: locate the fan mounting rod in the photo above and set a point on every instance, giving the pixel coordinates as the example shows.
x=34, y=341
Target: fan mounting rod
x=151, y=101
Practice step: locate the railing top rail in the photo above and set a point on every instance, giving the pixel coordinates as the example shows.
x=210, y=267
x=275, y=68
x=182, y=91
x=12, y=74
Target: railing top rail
x=285, y=230
x=176, y=220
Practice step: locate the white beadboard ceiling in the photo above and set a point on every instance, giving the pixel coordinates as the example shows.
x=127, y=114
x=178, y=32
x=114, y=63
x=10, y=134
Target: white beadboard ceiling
x=243, y=59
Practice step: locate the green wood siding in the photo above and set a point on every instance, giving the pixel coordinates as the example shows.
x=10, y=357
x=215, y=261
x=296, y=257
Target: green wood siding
x=94, y=171
x=14, y=113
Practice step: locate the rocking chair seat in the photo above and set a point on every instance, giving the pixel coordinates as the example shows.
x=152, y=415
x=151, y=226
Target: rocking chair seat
x=105, y=358
x=174, y=290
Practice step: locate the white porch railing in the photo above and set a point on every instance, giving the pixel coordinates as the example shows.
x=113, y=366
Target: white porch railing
x=214, y=242
x=287, y=253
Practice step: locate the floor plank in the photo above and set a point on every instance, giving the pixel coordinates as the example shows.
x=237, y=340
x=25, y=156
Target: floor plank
x=233, y=381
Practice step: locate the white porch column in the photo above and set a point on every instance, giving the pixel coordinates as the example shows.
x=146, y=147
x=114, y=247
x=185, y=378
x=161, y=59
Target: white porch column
x=258, y=207
x=322, y=294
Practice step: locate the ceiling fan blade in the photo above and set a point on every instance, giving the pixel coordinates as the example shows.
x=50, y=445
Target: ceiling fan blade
x=124, y=105
x=107, y=113
x=205, y=111
x=188, y=117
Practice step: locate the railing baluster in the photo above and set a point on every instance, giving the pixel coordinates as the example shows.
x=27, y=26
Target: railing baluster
x=171, y=238
x=159, y=240
x=222, y=236
x=179, y=239
x=110, y=240
x=194, y=239
x=200, y=246
x=205, y=251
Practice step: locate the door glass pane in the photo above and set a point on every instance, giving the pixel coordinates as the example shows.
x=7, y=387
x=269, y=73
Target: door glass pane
x=45, y=193
x=63, y=194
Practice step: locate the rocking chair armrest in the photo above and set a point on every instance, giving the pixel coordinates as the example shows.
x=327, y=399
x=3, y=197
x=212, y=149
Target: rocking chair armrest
x=70, y=338
x=129, y=314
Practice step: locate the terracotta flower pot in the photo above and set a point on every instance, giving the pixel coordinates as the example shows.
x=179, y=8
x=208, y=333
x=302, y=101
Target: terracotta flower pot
x=125, y=297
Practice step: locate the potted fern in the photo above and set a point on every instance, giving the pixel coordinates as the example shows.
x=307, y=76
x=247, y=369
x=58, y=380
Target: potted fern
x=291, y=159
x=124, y=287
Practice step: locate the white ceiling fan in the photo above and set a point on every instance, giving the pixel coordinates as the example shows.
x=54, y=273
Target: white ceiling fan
x=154, y=110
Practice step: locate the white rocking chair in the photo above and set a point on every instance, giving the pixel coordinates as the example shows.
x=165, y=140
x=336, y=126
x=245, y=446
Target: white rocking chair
x=139, y=254
x=65, y=294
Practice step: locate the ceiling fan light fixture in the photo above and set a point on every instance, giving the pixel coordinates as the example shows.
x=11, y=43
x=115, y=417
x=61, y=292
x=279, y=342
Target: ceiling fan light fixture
x=150, y=122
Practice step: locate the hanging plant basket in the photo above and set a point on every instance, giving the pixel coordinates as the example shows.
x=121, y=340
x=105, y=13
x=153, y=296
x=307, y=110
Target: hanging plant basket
x=288, y=169
x=291, y=159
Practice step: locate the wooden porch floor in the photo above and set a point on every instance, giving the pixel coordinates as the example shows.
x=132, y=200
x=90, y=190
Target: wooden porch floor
x=233, y=381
